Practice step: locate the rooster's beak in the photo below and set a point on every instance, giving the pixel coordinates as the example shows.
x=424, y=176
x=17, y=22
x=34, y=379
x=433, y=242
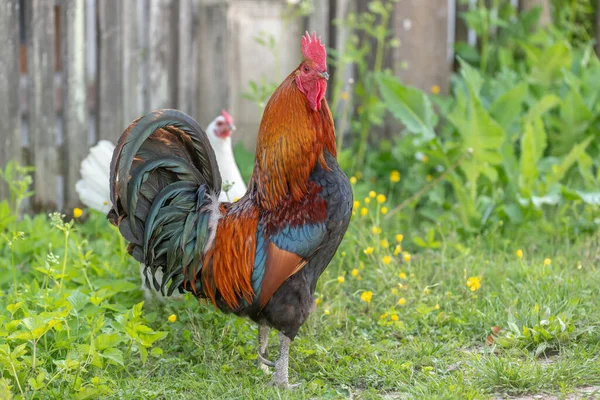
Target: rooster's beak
x=325, y=75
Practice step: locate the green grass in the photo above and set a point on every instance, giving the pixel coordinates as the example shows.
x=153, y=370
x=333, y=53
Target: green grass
x=432, y=346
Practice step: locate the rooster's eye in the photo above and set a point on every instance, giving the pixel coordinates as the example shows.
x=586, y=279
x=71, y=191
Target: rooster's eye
x=306, y=68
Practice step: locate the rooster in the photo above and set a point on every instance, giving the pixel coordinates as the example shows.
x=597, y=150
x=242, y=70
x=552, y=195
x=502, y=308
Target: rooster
x=261, y=256
x=93, y=189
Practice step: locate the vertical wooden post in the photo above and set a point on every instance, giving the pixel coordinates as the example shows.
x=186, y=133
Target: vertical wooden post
x=75, y=128
x=10, y=130
x=163, y=54
x=189, y=45
x=422, y=60
x=42, y=113
x=133, y=57
x=109, y=90
x=545, y=17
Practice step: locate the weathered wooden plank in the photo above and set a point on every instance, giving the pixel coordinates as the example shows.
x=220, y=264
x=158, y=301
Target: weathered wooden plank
x=422, y=28
x=163, y=54
x=42, y=116
x=318, y=20
x=110, y=82
x=75, y=127
x=189, y=44
x=10, y=130
x=133, y=60
x=213, y=64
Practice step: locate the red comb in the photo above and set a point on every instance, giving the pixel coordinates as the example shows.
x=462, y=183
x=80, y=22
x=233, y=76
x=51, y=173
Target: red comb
x=313, y=49
x=227, y=117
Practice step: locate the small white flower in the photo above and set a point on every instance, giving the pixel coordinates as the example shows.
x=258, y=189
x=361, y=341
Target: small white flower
x=293, y=1
x=407, y=24
x=419, y=156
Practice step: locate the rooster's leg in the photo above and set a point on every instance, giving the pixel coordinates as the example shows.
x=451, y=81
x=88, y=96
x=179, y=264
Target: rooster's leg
x=280, y=378
x=263, y=340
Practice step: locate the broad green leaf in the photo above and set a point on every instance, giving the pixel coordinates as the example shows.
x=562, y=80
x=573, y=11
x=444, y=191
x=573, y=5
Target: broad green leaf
x=78, y=300
x=471, y=76
x=410, y=105
x=533, y=145
x=559, y=171
x=113, y=354
x=106, y=340
x=546, y=68
x=545, y=104
x=507, y=108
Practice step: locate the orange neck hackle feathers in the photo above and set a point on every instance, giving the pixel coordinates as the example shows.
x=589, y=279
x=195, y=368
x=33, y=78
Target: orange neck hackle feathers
x=294, y=133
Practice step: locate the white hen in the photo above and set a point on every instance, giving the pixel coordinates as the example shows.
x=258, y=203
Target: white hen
x=93, y=188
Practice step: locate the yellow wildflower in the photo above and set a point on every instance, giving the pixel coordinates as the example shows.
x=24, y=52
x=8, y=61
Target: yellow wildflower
x=386, y=260
x=426, y=290
x=172, y=318
x=402, y=301
x=318, y=301
x=376, y=230
x=437, y=307
x=579, y=266
x=384, y=210
x=356, y=204
x=367, y=200
x=372, y=194
x=395, y=176
x=547, y=262
x=344, y=96
x=394, y=317
x=394, y=291
x=326, y=312
x=341, y=279
x=364, y=211
x=397, y=250
x=366, y=296
x=353, y=180
x=384, y=315
x=436, y=89
x=406, y=256
x=425, y=158
x=381, y=198
x=354, y=272
x=402, y=275
x=384, y=243
x=399, y=238
x=77, y=212
x=519, y=253
x=368, y=250
x=429, y=178
x=361, y=265
x=474, y=283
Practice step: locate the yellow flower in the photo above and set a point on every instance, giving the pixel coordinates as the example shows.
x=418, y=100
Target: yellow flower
x=368, y=250
x=519, y=253
x=547, y=262
x=354, y=272
x=402, y=301
x=437, y=307
x=381, y=198
x=394, y=291
x=435, y=89
x=402, y=275
x=372, y=194
x=579, y=266
x=318, y=301
x=384, y=315
x=361, y=265
x=397, y=250
x=426, y=290
x=366, y=296
x=395, y=176
x=367, y=200
x=172, y=318
x=384, y=243
x=77, y=212
x=356, y=204
x=326, y=312
x=425, y=158
x=376, y=230
x=386, y=260
x=429, y=178
x=364, y=211
x=344, y=96
x=399, y=238
x=353, y=180
x=474, y=283
x=341, y=279
x=384, y=210
x=406, y=256
x=394, y=317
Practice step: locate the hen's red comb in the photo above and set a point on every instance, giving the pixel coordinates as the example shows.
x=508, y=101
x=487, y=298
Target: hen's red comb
x=227, y=117
x=313, y=49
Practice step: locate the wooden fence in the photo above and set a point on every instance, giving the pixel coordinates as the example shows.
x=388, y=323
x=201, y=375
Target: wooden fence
x=76, y=71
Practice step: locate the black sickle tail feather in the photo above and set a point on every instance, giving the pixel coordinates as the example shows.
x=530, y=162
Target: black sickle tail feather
x=164, y=186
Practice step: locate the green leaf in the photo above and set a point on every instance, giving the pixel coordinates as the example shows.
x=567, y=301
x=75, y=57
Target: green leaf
x=410, y=105
x=547, y=66
x=507, y=108
x=559, y=171
x=78, y=300
x=107, y=340
x=113, y=354
x=533, y=145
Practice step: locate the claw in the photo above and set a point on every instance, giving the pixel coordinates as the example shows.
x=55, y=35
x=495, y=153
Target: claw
x=265, y=361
